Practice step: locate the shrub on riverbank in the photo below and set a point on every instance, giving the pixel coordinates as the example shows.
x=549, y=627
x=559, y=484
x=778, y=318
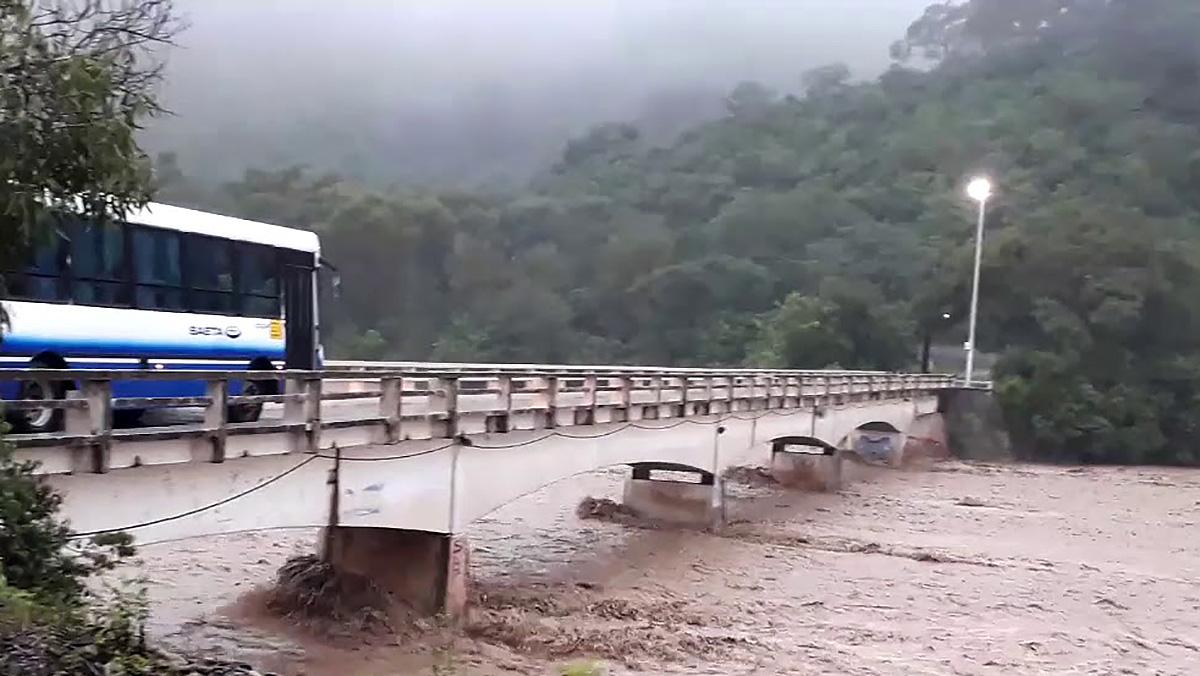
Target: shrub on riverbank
x=102, y=637
x=39, y=637
x=38, y=552
x=50, y=623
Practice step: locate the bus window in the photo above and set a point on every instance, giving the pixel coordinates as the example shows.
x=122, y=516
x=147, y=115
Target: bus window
x=258, y=277
x=209, y=264
x=40, y=279
x=159, y=278
x=98, y=264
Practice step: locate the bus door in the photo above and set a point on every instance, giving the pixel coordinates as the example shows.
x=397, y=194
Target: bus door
x=299, y=312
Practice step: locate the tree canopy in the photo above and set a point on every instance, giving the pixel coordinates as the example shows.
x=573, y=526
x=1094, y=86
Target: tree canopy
x=76, y=82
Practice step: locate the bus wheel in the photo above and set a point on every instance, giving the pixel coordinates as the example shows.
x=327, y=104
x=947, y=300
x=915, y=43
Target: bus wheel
x=244, y=413
x=40, y=420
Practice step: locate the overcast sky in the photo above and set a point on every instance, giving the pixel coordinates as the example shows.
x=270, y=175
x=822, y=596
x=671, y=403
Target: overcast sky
x=269, y=74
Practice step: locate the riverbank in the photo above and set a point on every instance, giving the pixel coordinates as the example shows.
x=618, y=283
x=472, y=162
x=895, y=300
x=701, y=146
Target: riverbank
x=959, y=568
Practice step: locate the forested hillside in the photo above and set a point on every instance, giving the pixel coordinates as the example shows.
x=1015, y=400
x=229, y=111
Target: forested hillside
x=832, y=230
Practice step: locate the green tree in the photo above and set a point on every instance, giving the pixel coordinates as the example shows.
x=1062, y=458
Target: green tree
x=77, y=79
x=1104, y=303
x=844, y=328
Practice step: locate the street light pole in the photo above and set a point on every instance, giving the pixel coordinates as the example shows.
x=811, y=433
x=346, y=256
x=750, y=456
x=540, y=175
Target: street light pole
x=979, y=190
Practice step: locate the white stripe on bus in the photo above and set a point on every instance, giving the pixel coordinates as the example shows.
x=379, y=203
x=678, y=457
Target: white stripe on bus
x=76, y=360
x=128, y=360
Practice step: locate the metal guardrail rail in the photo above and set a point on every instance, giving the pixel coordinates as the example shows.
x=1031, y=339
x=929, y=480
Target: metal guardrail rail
x=406, y=401
x=516, y=369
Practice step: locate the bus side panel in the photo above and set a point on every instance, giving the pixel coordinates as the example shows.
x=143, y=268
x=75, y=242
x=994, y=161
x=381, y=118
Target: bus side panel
x=97, y=332
x=116, y=339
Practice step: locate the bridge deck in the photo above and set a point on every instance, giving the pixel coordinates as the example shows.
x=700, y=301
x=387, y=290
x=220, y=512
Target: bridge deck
x=429, y=451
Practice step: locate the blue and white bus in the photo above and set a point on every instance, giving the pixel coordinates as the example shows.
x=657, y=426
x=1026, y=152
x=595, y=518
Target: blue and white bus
x=166, y=288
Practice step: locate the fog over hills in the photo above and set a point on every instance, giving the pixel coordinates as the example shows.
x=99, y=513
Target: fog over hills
x=480, y=91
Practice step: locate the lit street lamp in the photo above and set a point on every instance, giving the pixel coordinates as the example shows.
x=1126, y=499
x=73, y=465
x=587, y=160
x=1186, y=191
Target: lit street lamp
x=980, y=190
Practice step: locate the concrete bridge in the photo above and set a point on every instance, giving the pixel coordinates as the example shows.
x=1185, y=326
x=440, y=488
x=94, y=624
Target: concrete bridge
x=395, y=460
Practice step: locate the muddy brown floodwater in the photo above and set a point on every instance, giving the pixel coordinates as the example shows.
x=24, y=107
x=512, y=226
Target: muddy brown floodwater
x=955, y=569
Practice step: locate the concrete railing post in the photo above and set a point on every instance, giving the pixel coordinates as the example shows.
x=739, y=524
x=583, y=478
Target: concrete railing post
x=100, y=407
x=391, y=406
x=216, y=416
x=501, y=419
x=304, y=411
x=656, y=387
x=99, y=394
x=293, y=407
x=685, y=383
x=78, y=421
x=504, y=389
x=94, y=421
x=312, y=411
x=590, y=386
x=627, y=397
x=445, y=404
x=550, y=402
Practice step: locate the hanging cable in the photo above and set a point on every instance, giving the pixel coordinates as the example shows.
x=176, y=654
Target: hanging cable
x=198, y=510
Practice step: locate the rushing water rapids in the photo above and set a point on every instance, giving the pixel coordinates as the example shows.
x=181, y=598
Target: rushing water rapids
x=955, y=569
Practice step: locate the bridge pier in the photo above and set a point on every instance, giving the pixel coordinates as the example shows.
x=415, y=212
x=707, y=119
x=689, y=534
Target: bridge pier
x=798, y=463
x=427, y=571
x=879, y=445
x=691, y=503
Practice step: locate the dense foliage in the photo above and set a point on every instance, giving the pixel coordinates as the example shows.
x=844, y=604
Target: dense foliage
x=76, y=81
x=831, y=229
x=38, y=553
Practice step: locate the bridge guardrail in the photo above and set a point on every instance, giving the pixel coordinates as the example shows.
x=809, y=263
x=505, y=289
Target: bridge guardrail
x=401, y=401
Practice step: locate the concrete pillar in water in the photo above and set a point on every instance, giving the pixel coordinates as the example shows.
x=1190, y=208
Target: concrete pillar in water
x=816, y=470
x=926, y=441
x=428, y=571
x=699, y=504
x=882, y=447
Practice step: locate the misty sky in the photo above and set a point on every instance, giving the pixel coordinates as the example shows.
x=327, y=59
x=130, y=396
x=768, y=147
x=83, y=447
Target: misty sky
x=271, y=82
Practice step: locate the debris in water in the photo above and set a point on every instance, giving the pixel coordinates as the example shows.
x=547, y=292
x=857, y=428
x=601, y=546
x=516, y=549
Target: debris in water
x=327, y=601
x=750, y=476
x=605, y=510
